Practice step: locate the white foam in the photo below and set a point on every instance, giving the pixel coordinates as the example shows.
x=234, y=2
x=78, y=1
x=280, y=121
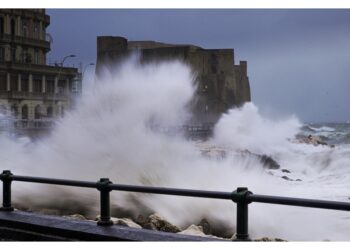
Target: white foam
x=108, y=135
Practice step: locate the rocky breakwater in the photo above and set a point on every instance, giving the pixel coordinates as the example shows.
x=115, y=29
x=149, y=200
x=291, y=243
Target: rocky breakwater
x=158, y=223
x=267, y=161
x=311, y=139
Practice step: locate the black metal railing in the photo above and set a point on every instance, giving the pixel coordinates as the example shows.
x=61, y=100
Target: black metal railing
x=241, y=196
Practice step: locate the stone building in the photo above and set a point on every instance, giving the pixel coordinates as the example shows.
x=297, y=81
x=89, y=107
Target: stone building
x=221, y=84
x=32, y=91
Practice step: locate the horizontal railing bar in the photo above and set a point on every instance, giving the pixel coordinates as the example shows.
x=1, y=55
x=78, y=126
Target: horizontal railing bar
x=335, y=205
x=54, y=181
x=173, y=191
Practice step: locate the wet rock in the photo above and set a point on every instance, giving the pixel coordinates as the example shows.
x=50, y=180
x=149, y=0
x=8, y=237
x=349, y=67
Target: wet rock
x=269, y=162
x=270, y=239
x=205, y=226
x=193, y=230
x=75, y=217
x=311, y=139
x=289, y=179
x=125, y=222
x=285, y=171
x=122, y=222
x=156, y=222
x=286, y=178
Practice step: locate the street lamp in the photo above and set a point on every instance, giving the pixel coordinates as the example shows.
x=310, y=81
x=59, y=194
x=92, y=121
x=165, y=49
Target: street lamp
x=61, y=65
x=59, y=74
x=64, y=58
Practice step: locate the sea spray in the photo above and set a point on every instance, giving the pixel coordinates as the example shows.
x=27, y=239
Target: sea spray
x=109, y=134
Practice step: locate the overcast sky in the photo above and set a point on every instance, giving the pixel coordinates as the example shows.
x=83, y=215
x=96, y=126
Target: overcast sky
x=298, y=60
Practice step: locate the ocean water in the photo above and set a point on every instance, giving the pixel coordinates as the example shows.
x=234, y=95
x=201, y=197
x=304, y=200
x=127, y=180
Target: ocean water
x=332, y=133
x=109, y=135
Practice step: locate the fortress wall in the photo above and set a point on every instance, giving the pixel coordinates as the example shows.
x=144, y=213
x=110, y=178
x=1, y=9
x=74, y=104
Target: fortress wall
x=221, y=84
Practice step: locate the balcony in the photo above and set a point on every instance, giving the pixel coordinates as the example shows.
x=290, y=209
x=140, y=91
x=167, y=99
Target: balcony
x=21, y=40
x=21, y=95
x=29, y=13
x=39, y=69
x=33, y=124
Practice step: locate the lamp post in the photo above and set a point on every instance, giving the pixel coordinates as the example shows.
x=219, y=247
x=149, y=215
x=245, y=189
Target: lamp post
x=59, y=74
x=61, y=64
x=64, y=58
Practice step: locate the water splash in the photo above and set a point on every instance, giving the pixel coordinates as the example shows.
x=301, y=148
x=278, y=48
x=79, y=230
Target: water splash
x=109, y=135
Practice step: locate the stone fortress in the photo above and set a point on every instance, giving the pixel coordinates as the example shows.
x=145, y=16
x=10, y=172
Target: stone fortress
x=221, y=84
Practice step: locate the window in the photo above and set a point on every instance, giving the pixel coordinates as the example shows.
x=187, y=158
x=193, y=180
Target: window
x=3, y=81
x=13, y=27
x=24, y=83
x=25, y=112
x=13, y=54
x=14, y=111
x=2, y=54
x=24, y=28
x=36, y=56
x=37, y=84
x=62, y=111
x=24, y=55
x=37, y=112
x=50, y=84
x=14, y=82
x=49, y=112
x=2, y=24
x=61, y=86
x=36, y=30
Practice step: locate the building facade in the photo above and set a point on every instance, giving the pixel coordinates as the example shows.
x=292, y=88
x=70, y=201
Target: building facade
x=33, y=92
x=221, y=84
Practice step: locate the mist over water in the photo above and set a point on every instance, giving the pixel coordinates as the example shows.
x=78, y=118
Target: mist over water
x=109, y=134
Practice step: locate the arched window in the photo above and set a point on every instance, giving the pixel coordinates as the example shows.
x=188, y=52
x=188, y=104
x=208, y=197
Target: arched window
x=13, y=27
x=25, y=112
x=49, y=112
x=37, y=112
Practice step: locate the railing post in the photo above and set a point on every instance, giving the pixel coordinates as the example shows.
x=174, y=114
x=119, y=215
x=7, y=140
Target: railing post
x=103, y=187
x=240, y=197
x=5, y=177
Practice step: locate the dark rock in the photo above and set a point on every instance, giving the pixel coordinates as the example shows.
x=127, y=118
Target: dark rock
x=193, y=230
x=205, y=226
x=269, y=162
x=286, y=178
x=75, y=217
x=156, y=222
x=298, y=180
x=311, y=139
x=125, y=222
x=269, y=239
x=285, y=171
